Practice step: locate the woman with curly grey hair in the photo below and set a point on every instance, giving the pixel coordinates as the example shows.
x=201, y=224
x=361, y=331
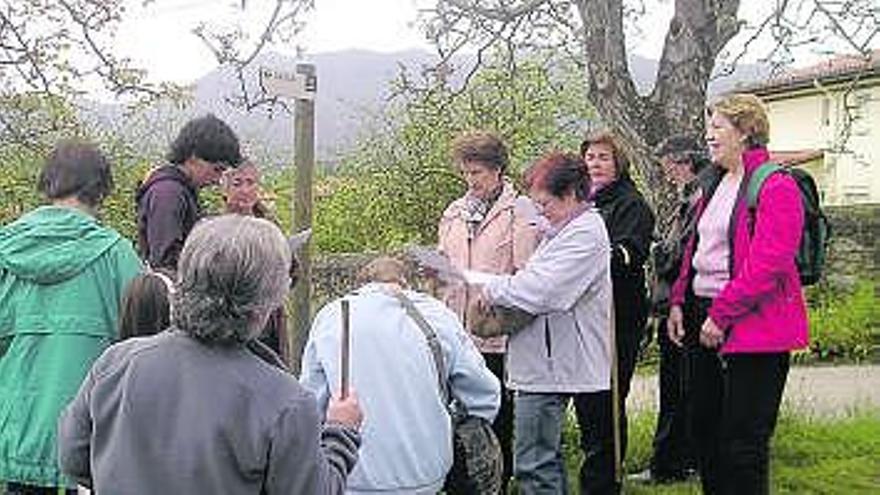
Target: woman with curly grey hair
x=195, y=409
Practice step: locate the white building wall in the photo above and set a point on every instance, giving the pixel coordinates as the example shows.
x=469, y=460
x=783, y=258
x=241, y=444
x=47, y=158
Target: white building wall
x=816, y=121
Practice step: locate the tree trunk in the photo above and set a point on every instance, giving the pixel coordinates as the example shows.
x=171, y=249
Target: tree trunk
x=697, y=33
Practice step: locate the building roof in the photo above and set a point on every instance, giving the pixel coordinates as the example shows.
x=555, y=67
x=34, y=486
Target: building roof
x=795, y=157
x=835, y=69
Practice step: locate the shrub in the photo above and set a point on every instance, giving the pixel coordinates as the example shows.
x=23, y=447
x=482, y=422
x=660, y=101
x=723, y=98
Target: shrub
x=844, y=322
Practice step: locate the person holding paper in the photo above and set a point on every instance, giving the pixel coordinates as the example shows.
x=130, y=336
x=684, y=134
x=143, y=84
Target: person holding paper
x=565, y=351
x=407, y=445
x=490, y=229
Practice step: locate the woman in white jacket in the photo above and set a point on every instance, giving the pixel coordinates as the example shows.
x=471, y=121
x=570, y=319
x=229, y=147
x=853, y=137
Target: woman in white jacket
x=565, y=351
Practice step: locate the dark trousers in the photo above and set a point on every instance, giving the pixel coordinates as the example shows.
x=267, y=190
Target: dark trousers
x=503, y=424
x=673, y=452
x=19, y=489
x=735, y=407
x=594, y=415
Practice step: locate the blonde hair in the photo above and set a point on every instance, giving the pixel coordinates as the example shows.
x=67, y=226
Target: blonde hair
x=748, y=114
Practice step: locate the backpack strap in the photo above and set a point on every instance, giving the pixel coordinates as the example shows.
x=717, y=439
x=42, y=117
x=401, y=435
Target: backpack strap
x=433, y=342
x=757, y=179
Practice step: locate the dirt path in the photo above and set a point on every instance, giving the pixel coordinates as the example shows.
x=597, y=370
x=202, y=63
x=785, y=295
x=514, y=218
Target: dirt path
x=819, y=390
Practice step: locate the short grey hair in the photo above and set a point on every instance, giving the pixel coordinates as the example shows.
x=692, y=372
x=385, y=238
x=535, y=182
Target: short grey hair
x=233, y=271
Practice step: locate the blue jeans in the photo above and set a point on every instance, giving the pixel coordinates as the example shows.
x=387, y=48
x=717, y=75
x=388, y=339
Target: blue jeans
x=537, y=459
x=539, y=467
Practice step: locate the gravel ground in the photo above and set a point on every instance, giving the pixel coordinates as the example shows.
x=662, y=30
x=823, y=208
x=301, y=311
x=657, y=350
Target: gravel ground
x=816, y=390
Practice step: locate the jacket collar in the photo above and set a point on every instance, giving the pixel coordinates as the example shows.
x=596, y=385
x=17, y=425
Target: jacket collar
x=612, y=189
x=711, y=176
x=505, y=200
x=552, y=231
x=167, y=172
x=753, y=159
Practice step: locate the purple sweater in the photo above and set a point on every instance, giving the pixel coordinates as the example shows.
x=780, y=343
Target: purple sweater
x=762, y=307
x=167, y=209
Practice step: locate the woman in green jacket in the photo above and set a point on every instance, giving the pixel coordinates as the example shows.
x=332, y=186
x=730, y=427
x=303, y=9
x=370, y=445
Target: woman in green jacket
x=61, y=279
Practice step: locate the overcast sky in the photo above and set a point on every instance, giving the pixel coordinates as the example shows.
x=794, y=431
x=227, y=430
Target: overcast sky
x=159, y=38
x=177, y=55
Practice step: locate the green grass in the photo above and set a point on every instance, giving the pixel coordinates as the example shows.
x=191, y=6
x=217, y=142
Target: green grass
x=808, y=456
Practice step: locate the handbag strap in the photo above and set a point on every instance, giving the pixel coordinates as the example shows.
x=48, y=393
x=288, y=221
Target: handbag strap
x=433, y=343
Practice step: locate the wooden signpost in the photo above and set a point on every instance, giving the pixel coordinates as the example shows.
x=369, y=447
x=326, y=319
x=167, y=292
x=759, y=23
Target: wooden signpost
x=301, y=86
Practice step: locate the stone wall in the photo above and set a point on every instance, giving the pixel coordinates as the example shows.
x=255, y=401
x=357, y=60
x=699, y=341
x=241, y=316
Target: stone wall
x=334, y=275
x=854, y=252
x=855, y=245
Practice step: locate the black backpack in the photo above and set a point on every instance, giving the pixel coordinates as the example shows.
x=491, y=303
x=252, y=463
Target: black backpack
x=811, y=253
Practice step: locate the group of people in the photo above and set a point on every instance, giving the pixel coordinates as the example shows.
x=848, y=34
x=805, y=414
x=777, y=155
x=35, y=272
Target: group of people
x=195, y=396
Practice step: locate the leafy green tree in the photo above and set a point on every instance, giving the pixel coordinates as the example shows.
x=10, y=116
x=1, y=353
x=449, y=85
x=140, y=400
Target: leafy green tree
x=393, y=188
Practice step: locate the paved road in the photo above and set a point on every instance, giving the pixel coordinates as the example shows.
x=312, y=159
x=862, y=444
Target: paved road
x=819, y=390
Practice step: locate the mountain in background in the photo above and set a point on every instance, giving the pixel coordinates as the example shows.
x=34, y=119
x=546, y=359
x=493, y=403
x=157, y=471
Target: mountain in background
x=352, y=87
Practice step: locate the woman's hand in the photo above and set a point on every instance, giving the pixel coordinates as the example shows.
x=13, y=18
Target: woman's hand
x=345, y=412
x=675, y=325
x=710, y=335
x=480, y=301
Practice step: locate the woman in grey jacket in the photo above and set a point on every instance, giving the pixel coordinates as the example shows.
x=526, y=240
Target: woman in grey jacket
x=565, y=351
x=202, y=407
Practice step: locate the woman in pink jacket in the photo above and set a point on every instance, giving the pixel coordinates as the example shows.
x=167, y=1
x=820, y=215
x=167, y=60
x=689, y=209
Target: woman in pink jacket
x=738, y=302
x=491, y=229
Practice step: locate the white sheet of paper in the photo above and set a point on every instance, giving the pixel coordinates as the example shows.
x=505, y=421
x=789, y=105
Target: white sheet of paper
x=434, y=260
x=473, y=277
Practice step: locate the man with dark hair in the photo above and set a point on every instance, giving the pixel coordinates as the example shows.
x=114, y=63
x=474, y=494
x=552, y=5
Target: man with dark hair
x=168, y=199
x=682, y=159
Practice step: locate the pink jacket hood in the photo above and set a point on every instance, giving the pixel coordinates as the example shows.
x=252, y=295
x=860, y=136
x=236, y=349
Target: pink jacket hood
x=762, y=307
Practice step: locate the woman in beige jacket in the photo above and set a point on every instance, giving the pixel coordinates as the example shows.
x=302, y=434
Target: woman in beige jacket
x=489, y=229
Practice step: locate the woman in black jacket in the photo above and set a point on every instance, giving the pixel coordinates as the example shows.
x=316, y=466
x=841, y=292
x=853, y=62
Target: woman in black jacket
x=630, y=223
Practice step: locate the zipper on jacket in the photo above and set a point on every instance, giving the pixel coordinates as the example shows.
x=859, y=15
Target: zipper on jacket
x=467, y=288
x=547, y=344
x=577, y=326
x=731, y=224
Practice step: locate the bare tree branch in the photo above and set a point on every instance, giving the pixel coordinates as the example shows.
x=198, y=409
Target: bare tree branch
x=501, y=12
x=228, y=47
x=695, y=39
